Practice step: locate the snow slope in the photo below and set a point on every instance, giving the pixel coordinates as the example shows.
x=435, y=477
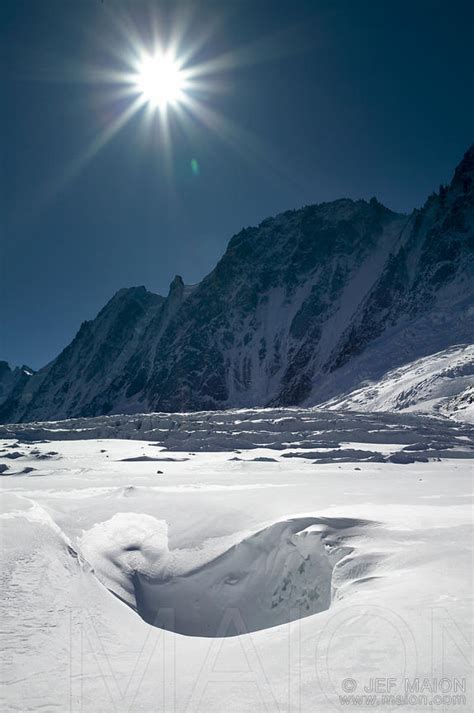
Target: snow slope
x=441, y=383
x=280, y=575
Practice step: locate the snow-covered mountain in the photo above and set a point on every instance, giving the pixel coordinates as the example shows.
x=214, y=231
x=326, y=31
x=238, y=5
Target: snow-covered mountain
x=299, y=309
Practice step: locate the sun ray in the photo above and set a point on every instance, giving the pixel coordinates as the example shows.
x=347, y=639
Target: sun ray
x=158, y=79
x=246, y=144
x=75, y=167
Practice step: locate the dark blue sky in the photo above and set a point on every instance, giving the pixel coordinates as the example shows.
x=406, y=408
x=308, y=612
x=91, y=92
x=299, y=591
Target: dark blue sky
x=341, y=98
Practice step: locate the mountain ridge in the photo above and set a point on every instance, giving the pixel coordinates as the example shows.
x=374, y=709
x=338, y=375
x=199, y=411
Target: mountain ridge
x=298, y=309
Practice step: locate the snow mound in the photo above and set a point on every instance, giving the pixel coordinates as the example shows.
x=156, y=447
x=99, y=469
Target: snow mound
x=126, y=544
x=270, y=577
x=442, y=383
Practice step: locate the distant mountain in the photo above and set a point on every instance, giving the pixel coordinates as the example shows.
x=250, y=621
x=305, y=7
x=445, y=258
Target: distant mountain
x=13, y=381
x=299, y=309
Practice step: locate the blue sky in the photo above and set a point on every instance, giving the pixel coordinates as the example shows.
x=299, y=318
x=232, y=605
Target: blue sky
x=324, y=100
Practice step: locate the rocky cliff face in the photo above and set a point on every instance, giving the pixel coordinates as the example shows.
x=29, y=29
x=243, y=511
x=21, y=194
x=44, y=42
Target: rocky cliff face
x=13, y=381
x=422, y=301
x=298, y=309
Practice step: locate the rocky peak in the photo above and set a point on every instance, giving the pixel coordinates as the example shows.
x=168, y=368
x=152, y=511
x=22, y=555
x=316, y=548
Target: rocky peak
x=298, y=308
x=176, y=290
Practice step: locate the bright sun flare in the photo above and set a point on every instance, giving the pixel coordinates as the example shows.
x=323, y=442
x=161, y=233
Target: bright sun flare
x=160, y=81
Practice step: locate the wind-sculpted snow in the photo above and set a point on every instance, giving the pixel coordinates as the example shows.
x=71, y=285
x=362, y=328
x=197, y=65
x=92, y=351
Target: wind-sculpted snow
x=332, y=543
x=269, y=577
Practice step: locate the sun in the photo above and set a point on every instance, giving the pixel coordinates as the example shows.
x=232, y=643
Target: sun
x=160, y=81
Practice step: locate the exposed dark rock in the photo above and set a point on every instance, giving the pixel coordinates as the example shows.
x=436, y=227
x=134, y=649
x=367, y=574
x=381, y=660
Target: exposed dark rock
x=298, y=309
